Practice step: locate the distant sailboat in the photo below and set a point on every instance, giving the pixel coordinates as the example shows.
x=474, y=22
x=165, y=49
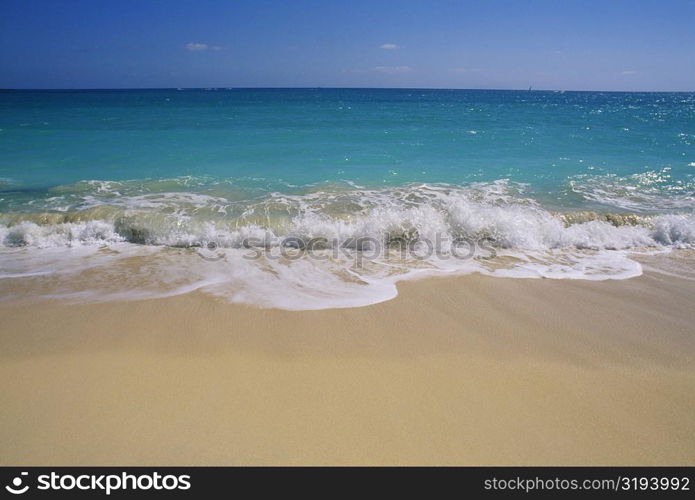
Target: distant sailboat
x=530, y=88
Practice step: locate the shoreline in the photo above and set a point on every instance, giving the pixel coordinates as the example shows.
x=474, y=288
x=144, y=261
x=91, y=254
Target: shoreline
x=464, y=370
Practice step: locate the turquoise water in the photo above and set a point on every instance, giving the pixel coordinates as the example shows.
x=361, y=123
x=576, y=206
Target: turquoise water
x=273, y=139
x=565, y=184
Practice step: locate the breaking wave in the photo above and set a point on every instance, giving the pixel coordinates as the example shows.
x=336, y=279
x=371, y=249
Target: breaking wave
x=148, y=242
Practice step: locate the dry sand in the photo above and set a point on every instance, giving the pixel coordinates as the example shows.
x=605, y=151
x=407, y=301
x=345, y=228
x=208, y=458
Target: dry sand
x=467, y=370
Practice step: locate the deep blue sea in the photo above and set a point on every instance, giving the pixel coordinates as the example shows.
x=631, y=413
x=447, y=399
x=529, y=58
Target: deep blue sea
x=557, y=184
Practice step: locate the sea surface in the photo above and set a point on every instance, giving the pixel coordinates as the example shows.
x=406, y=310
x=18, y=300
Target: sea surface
x=319, y=198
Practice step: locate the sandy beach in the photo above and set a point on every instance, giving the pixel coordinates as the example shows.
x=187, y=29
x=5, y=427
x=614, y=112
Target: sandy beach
x=461, y=370
x=347, y=234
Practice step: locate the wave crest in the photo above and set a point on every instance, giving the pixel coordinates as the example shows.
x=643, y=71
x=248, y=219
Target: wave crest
x=494, y=212
x=167, y=235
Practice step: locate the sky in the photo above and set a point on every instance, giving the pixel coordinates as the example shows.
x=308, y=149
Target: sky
x=498, y=44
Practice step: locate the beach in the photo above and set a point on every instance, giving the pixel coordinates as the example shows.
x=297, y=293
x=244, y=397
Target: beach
x=346, y=276
x=455, y=370
x=347, y=234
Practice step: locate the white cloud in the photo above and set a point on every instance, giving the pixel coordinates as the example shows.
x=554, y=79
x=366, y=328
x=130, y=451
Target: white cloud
x=468, y=70
x=392, y=70
x=390, y=46
x=202, y=47
x=629, y=72
x=196, y=47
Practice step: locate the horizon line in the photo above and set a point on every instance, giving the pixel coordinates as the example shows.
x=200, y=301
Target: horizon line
x=87, y=89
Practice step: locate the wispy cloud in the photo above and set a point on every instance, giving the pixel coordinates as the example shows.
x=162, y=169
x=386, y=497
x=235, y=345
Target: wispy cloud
x=468, y=70
x=201, y=47
x=196, y=47
x=393, y=70
x=629, y=72
x=390, y=46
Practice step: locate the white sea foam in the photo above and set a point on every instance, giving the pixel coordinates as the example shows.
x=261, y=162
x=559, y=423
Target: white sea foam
x=642, y=193
x=30, y=234
x=169, y=243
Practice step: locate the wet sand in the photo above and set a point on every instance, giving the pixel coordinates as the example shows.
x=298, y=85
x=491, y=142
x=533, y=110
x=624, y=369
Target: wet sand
x=458, y=370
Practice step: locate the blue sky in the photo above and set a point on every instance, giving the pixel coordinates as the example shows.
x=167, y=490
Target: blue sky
x=581, y=45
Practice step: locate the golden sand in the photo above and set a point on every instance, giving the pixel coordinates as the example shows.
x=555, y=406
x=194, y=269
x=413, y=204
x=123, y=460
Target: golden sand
x=467, y=370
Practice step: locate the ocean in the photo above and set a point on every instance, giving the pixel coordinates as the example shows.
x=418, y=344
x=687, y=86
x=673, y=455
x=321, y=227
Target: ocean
x=321, y=198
